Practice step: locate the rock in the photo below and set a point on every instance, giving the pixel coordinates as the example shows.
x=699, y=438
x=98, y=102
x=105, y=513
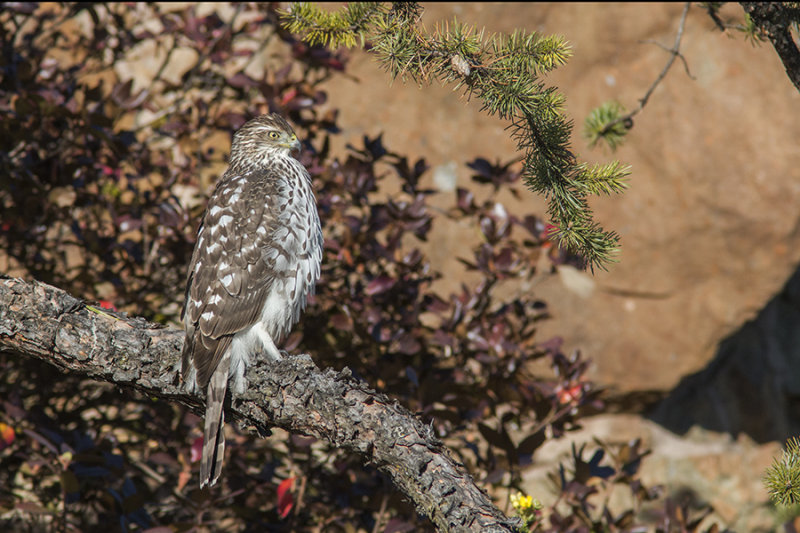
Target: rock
x=708, y=467
x=753, y=383
x=708, y=224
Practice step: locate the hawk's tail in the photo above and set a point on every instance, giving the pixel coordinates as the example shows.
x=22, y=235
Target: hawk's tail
x=214, y=429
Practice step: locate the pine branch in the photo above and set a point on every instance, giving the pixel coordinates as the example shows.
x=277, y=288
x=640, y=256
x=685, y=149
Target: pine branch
x=774, y=20
x=344, y=28
x=503, y=73
x=782, y=479
x=41, y=321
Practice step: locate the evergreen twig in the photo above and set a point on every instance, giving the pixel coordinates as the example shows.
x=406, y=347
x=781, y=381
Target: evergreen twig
x=503, y=73
x=782, y=479
x=607, y=122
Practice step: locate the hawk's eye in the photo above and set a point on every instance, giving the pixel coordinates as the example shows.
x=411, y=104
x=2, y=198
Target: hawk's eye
x=274, y=135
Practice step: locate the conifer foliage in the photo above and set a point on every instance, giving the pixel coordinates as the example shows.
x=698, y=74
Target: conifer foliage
x=504, y=72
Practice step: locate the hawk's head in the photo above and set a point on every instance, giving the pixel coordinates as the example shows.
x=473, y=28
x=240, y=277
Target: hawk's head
x=264, y=137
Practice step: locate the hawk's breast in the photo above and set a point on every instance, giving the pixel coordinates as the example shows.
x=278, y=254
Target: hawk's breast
x=295, y=250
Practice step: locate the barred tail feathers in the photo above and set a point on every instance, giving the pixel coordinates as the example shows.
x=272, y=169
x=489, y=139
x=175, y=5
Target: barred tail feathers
x=214, y=428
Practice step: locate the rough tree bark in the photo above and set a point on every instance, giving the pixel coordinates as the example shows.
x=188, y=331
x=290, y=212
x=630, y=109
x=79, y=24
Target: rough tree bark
x=38, y=320
x=773, y=18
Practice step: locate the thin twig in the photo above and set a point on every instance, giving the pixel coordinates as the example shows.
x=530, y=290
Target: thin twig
x=722, y=26
x=674, y=52
x=301, y=492
x=712, y=12
x=381, y=513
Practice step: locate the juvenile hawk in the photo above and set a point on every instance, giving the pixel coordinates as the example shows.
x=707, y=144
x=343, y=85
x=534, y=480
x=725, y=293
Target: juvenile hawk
x=256, y=260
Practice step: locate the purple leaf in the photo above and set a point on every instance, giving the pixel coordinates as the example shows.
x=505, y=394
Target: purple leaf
x=379, y=285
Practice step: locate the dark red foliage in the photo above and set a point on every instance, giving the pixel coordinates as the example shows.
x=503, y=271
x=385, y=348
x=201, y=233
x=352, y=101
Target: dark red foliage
x=285, y=497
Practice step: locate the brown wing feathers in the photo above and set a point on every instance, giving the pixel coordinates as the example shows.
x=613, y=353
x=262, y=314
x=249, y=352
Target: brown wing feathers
x=233, y=280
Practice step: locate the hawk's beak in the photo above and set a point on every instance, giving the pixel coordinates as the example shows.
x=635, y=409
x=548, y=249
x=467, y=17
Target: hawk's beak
x=293, y=144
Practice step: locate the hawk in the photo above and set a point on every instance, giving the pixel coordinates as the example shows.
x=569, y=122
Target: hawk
x=255, y=262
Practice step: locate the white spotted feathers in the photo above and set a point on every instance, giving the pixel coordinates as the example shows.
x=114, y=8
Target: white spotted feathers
x=256, y=260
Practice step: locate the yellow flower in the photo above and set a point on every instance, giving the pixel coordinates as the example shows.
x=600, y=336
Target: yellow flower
x=521, y=502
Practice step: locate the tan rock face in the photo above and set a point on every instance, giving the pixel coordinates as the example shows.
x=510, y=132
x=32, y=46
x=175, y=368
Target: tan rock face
x=702, y=465
x=709, y=223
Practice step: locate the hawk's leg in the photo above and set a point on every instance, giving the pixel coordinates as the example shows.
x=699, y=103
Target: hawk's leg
x=253, y=343
x=270, y=350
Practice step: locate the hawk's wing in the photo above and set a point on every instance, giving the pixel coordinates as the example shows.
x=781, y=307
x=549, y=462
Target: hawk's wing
x=232, y=269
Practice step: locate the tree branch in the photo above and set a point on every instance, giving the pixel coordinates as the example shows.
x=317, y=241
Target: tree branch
x=674, y=52
x=773, y=19
x=38, y=320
